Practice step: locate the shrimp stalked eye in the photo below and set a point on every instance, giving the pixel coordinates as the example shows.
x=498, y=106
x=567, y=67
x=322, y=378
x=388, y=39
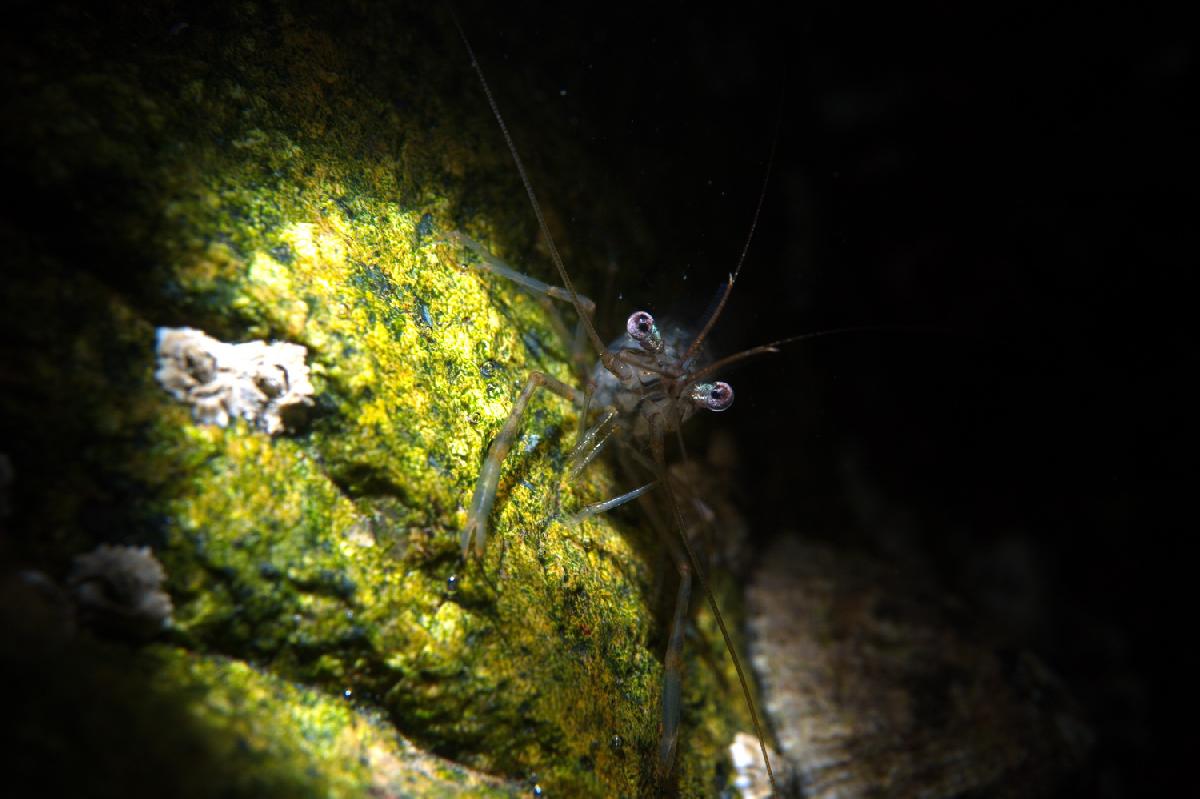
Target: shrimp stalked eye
x=714, y=396
x=641, y=328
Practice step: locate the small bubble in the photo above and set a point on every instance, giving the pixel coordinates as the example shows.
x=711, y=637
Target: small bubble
x=616, y=742
x=452, y=583
x=537, y=789
x=347, y=694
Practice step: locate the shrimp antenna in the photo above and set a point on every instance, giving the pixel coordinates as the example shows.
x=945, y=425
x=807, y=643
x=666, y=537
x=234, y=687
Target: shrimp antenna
x=694, y=561
x=762, y=194
x=765, y=349
x=533, y=200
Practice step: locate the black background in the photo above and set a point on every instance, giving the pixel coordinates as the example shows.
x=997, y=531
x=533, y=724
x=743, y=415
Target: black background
x=1008, y=191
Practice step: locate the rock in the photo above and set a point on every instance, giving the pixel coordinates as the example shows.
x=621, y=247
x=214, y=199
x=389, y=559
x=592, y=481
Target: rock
x=880, y=686
x=276, y=173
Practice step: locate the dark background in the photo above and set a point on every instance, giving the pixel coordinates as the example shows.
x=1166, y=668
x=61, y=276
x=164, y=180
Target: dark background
x=1008, y=192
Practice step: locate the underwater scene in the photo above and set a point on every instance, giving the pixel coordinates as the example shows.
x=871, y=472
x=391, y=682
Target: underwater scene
x=368, y=422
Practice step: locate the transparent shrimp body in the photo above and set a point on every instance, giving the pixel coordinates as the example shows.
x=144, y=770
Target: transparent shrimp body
x=642, y=388
x=654, y=389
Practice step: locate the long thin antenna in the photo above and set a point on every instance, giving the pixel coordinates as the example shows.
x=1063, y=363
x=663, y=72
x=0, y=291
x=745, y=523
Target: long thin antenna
x=537, y=208
x=762, y=195
x=716, y=611
x=764, y=349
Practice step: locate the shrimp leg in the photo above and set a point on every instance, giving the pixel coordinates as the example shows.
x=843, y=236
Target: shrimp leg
x=490, y=263
x=591, y=441
x=673, y=674
x=687, y=564
x=608, y=504
x=475, y=532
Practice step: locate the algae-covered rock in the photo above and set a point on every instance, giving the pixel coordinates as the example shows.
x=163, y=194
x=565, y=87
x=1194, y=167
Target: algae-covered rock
x=161, y=721
x=284, y=175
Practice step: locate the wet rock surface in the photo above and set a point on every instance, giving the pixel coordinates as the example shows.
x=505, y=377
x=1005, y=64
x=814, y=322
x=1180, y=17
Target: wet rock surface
x=278, y=173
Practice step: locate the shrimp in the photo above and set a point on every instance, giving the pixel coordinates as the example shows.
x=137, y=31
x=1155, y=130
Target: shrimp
x=644, y=386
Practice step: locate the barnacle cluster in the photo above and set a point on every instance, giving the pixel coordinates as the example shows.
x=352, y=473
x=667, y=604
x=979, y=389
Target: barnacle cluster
x=120, y=588
x=265, y=384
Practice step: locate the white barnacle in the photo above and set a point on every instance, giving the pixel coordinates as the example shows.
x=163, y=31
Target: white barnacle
x=265, y=384
x=120, y=588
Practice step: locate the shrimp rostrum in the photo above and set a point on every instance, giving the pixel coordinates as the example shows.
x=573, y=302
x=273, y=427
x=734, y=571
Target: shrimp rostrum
x=644, y=387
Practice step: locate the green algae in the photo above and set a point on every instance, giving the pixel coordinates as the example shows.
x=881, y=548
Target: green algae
x=163, y=721
x=271, y=185
x=293, y=730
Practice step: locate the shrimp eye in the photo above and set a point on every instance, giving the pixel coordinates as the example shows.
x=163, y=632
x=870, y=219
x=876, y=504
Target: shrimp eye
x=639, y=325
x=714, y=396
x=641, y=328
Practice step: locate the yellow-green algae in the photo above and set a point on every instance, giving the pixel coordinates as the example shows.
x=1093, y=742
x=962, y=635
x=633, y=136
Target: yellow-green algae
x=274, y=173
x=161, y=721
x=300, y=730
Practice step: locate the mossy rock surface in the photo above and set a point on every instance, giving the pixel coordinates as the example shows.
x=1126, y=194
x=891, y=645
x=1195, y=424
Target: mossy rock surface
x=162, y=721
x=277, y=173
